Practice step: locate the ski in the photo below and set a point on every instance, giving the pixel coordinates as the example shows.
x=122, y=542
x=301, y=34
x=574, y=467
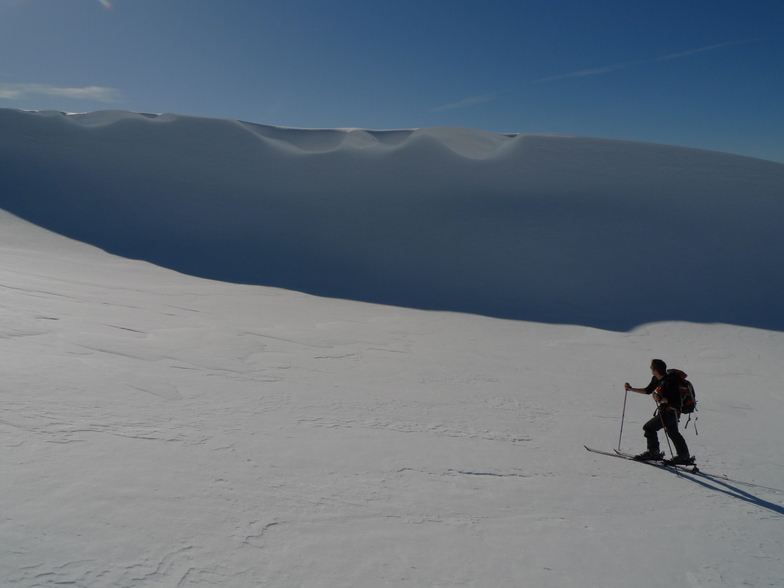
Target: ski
x=657, y=464
x=592, y=450
x=690, y=469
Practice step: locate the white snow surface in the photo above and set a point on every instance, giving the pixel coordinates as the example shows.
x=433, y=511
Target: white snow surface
x=162, y=429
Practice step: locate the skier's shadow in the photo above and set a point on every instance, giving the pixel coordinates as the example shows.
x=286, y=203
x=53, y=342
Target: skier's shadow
x=730, y=490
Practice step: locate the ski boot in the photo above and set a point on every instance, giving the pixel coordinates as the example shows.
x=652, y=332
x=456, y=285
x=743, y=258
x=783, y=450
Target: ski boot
x=680, y=460
x=650, y=456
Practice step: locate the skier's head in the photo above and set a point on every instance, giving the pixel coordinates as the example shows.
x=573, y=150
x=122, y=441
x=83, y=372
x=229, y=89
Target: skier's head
x=659, y=366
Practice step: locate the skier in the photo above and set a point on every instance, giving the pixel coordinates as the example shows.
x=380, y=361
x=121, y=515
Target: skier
x=666, y=393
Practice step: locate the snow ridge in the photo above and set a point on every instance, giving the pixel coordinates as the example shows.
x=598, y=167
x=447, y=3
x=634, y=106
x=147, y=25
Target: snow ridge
x=534, y=227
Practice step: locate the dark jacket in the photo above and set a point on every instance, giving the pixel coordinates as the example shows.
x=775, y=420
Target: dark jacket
x=668, y=387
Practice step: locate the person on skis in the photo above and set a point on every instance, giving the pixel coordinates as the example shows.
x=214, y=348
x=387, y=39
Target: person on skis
x=666, y=393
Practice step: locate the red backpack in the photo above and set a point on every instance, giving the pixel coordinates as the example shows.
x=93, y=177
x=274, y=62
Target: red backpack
x=688, y=400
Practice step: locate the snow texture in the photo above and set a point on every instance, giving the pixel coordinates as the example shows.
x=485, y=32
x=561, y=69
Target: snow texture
x=161, y=429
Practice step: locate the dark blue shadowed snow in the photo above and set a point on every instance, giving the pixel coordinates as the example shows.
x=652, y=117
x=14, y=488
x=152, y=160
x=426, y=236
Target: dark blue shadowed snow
x=608, y=234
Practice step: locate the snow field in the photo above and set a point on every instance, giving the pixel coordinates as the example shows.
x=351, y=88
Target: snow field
x=164, y=430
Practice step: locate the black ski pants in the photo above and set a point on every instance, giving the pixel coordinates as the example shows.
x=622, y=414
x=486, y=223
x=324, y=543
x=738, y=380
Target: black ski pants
x=667, y=420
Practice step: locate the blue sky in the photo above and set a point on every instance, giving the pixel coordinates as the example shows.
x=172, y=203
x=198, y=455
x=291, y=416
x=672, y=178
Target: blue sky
x=699, y=73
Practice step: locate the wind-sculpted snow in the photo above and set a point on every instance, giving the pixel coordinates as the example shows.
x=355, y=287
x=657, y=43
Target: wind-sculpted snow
x=557, y=229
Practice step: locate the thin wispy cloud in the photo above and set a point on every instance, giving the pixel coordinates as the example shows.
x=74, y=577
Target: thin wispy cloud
x=587, y=72
x=465, y=102
x=105, y=3
x=21, y=91
x=702, y=50
x=628, y=64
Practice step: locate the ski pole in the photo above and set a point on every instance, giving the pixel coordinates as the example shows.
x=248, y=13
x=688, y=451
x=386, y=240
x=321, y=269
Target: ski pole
x=623, y=416
x=666, y=435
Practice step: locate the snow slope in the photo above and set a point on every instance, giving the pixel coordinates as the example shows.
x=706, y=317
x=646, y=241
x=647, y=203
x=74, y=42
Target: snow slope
x=569, y=230
x=161, y=429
